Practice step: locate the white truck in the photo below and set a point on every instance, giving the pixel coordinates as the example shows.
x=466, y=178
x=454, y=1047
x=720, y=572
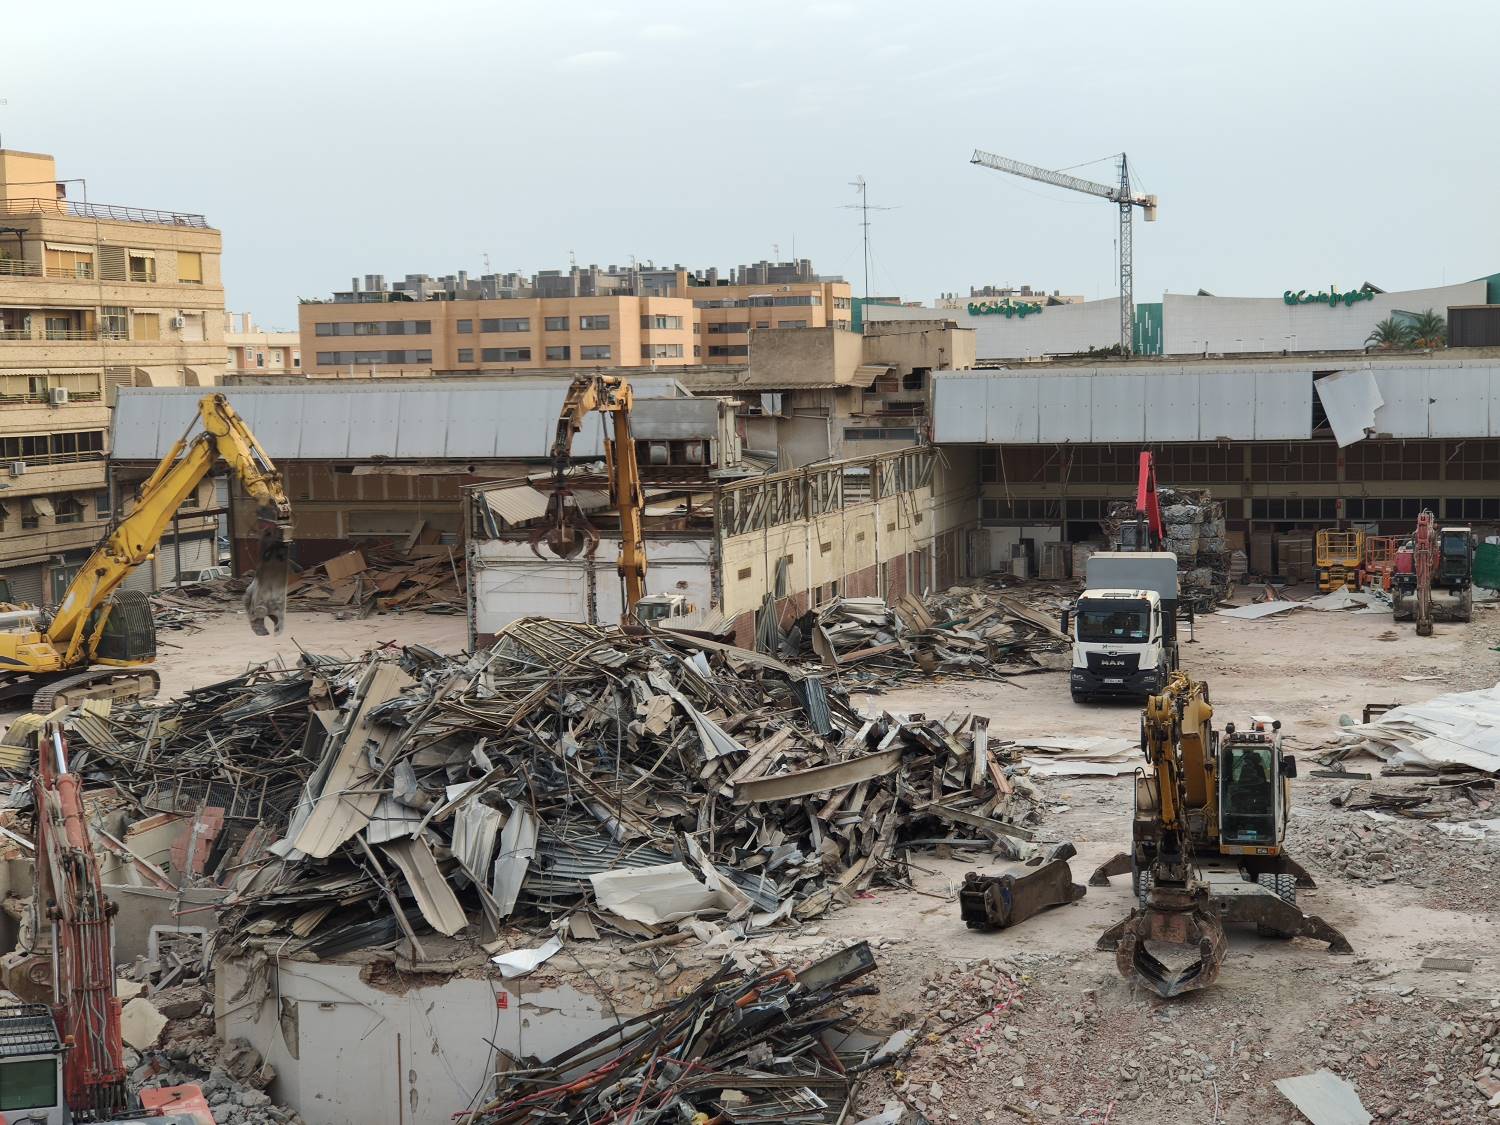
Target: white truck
x=1124, y=625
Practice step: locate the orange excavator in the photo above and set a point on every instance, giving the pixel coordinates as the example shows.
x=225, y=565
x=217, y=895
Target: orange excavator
x=565, y=529
x=63, y=1060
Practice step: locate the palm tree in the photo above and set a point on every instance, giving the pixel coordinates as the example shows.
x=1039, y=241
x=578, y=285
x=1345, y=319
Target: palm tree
x=1429, y=330
x=1390, y=334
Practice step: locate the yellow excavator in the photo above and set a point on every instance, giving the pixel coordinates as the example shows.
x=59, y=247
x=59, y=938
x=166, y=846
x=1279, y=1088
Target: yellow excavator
x=1208, y=844
x=100, y=640
x=565, y=529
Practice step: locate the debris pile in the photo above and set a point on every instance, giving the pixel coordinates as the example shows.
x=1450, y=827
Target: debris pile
x=232, y=1076
x=380, y=577
x=738, y=1048
x=966, y=631
x=1193, y=522
x=1459, y=729
x=642, y=779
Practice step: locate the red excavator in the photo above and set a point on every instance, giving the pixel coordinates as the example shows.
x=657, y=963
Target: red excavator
x=1434, y=575
x=64, y=1061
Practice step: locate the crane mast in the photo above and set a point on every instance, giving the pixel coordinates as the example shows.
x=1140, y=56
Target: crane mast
x=1119, y=194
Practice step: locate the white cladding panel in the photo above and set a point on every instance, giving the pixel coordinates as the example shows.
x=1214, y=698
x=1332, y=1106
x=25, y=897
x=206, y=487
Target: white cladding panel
x=1119, y=408
x=1458, y=397
x=1283, y=405
x=1404, y=414
x=1172, y=407
x=959, y=412
x=1011, y=410
x=1226, y=406
x=1064, y=408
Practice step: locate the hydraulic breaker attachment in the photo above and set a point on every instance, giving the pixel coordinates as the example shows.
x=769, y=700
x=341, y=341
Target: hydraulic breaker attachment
x=265, y=598
x=1174, y=945
x=993, y=902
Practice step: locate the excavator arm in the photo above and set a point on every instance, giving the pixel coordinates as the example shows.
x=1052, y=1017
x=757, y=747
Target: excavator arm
x=565, y=528
x=133, y=539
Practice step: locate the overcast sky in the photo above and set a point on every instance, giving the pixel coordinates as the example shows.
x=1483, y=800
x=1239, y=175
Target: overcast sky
x=1292, y=145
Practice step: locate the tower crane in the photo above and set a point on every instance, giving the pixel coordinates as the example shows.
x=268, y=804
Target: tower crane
x=1117, y=193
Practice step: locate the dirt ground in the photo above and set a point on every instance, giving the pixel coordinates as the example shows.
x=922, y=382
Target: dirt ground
x=1032, y=1024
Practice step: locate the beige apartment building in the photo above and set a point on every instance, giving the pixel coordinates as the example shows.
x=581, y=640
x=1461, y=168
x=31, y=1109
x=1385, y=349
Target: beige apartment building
x=385, y=333
x=92, y=297
x=253, y=350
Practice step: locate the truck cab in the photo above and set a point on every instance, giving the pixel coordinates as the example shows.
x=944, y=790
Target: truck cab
x=654, y=609
x=1124, y=626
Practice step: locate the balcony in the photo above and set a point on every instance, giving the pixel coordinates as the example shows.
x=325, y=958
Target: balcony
x=16, y=267
x=65, y=208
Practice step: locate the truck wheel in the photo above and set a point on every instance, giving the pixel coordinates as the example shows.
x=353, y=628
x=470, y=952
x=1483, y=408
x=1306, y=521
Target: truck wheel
x=1283, y=887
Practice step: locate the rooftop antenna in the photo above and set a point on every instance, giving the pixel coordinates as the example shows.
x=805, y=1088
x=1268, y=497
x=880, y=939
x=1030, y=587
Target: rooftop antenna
x=486, y=261
x=776, y=251
x=864, y=208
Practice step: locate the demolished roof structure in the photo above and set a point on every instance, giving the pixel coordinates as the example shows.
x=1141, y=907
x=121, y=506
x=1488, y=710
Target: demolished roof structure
x=351, y=803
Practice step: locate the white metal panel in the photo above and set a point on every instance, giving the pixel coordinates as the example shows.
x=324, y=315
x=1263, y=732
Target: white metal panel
x=1404, y=414
x=1172, y=407
x=1283, y=405
x=1120, y=408
x=422, y=425
x=1064, y=408
x=1226, y=406
x=1010, y=412
x=325, y=429
x=471, y=428
x=958, y=410
x=377, y=426
x=1459, y=402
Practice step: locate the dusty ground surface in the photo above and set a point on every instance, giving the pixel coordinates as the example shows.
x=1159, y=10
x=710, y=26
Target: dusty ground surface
x=1032, y=1024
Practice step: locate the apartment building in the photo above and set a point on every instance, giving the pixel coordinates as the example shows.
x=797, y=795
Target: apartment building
x=92, y=297
x=253, y=350
x=587, y=318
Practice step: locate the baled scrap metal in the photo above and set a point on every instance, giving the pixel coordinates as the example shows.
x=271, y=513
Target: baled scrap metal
x=494, y=786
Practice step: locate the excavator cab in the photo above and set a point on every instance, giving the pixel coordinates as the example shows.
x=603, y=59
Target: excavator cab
x=1252, y=794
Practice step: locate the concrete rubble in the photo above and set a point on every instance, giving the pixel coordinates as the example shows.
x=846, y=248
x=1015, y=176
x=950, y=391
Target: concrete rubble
x=1195, y=533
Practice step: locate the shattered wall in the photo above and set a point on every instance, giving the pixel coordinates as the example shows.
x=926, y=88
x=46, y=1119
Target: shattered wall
x=411, y=1049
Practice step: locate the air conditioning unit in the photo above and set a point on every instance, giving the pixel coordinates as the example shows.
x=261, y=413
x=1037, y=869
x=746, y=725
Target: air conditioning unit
x=178, y=321
x=59, y=396
x=18, y=468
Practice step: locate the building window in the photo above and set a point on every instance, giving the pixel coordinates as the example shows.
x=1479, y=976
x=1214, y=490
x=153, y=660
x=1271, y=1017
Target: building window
x=73, y=261
x=505, y=355
x=296, y=359
x=147, y=326
x=260, y=359
x=802, y=300
x=190, y=267
x=112, y=323
x=661, y=351
x=593, y=351
x=697, y=351
x=561, y=351
x=729, y=328
x=555, y=323
x=505, y=324
x=31, y=512
x=67, y=509
x=898, y=433
x=464, y=327
x=724, y=351
x=791, y=324
x=650, y=322
x=593, y=323
x=142, y=266
x=762, y=324
x=465, y=355
x=101, y=505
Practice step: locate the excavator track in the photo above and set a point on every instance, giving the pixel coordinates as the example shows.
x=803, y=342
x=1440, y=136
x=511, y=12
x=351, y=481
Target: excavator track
x=97, y=683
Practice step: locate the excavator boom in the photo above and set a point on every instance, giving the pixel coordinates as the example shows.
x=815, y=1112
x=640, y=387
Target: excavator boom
x=566, y=530
x=73, y=638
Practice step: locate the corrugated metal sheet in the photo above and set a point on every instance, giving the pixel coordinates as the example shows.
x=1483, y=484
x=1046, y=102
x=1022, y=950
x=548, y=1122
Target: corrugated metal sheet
x=476, y=420
x=1205, y=402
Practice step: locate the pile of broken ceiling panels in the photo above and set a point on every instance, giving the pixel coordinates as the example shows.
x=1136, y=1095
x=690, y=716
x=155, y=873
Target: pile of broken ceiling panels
x=965, y=632
x=567, y=772
x=773, y=1047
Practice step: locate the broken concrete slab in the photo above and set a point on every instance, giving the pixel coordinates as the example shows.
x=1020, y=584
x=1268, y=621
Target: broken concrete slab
x=141, y=1024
